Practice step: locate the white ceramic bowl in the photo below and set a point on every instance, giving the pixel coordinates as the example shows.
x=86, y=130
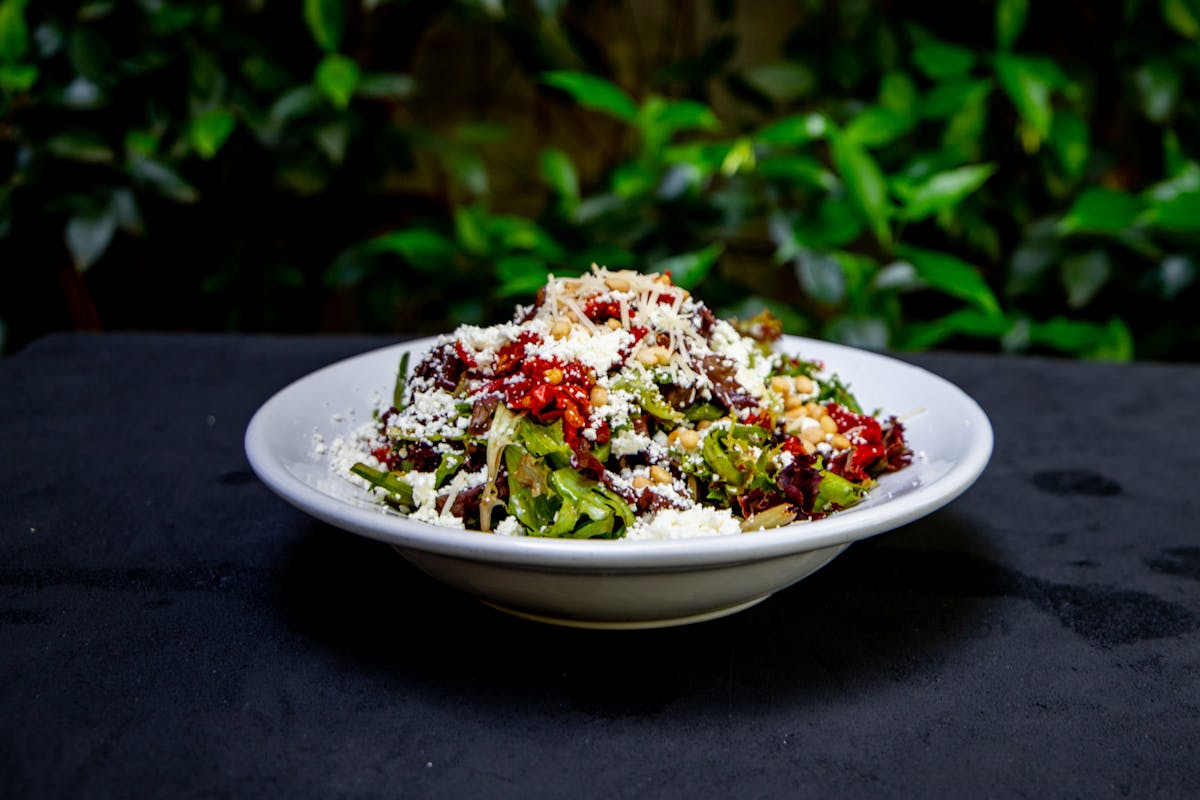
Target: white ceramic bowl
x=622, y=584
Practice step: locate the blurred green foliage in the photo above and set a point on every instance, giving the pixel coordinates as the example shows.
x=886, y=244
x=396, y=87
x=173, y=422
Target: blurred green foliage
x=996, y=175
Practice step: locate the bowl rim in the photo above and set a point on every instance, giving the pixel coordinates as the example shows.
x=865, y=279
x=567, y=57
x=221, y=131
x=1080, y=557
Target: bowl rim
x=618, y=555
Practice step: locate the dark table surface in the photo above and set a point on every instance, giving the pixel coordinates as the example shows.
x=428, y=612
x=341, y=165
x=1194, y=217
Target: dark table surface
x=170, y=628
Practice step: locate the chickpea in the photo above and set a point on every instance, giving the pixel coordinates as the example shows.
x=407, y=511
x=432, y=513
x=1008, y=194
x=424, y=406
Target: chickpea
x=599, y=396
x=554, y=376
x=640, y=482
x=791, y=402
x=704, y=423
x=809, y=448
x=660, y=475
x=803, y=384
x=815, y=411
x=796, y=412
x=689, y=440
x=613, y=323
x=781, y=384
x=561, y=329
x=813, y=433
x=663, y=355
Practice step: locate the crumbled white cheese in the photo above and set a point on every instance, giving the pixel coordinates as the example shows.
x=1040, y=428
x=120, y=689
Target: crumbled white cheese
x=686, y=524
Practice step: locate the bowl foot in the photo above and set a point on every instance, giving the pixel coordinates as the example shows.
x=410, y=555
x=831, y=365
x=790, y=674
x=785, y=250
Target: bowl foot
x=626, y=625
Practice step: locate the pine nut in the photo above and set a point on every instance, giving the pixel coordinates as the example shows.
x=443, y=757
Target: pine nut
x=613, y=323
x=781, y=384
x=815, y=411
x=640, y=482
x=791, y=402
x=839, y=441
x=617, y=283
x=660, y=475
x=663, y=355
x=561, y=329
x=804, y=384
x=647, y=357
x=828, y=424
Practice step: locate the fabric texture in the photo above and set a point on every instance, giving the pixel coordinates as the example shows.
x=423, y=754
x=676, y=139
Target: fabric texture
x=170, y=628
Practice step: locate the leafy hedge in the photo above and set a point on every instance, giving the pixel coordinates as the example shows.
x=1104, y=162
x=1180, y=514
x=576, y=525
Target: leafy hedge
x=988, y=175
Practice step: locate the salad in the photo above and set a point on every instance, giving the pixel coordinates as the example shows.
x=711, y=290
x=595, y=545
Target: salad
x=617, y=405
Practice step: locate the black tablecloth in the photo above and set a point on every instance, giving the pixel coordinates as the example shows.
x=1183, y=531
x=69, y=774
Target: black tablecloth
x=170, y=628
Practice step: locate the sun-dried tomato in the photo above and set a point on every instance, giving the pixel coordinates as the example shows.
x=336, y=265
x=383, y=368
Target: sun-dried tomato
x=866, y=437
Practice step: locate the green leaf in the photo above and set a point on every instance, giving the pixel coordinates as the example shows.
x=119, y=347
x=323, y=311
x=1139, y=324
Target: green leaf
x=14, y=32
x=1158, y=83
x=1103, y=211
x=1183, y=16
x=424, y=249
x=796, y=169
x=333, y=139
x=520, y=275
x=941, y=190
x=129, y=216
x=899, y=94
x=740, y=155
x=386, y=86
x=877, y=126
x=594, y=93
x=209, y=131
x=1010, y=21
x=337, y=78
x=162, y=179
x=1110, y=342
x=865, y=182
x=1083, y=276
x=1180, y=213
x=1069, y=136
x=294, y=104
x=1176, y=273
x=633, y=179
x=964, y=322
x=470, y=231
x=837, y=224
x=467, y=168
x=689, y=269
x=559, y=173
x=18, y=77
x=672, y=116
x=782, y=81
x=947, y=99
x=87, y=146
x=820, y=275
x=1029, y=83
x=952, y=276
x=796, y=130
x=867, y=333
x=88, y=236
x=326, y=22
x=941, y=61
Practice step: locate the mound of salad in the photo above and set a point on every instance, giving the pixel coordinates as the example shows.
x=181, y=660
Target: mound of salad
x=618, y=406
